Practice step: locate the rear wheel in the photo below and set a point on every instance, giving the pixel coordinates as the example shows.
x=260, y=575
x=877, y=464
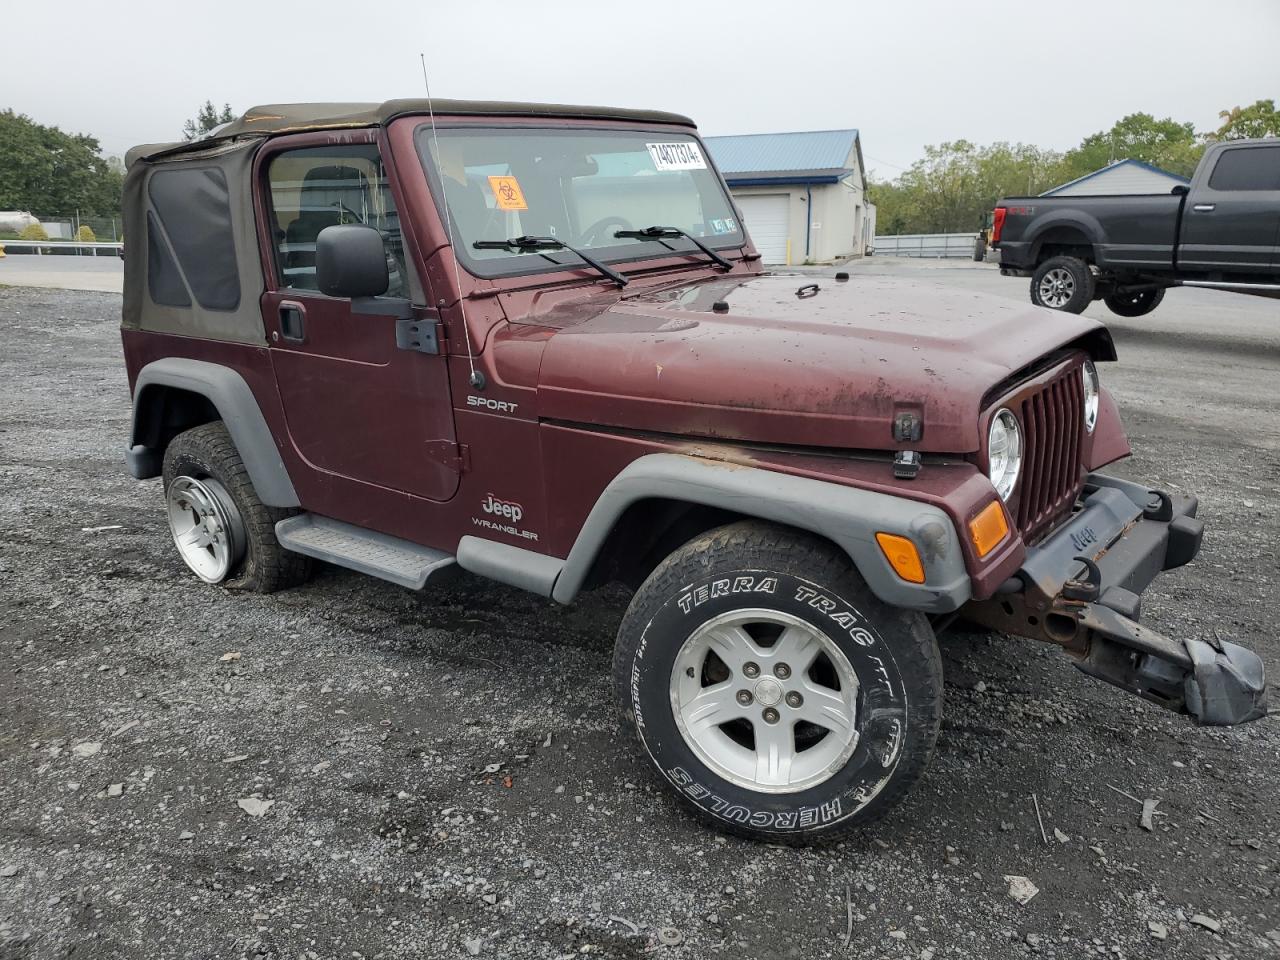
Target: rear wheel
x=775, y=694
x=1134, y=304
x=223, y=532
x=1063, y=283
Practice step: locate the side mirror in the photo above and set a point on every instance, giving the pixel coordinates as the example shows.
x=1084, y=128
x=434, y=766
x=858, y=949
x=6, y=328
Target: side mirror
x=1180, y=190
x=351, y=262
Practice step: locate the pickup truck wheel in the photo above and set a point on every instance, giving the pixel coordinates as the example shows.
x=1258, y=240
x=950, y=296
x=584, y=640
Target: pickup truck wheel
x=223, y=532
x=777, y=696
x=1134, y=304
x=1063, y=283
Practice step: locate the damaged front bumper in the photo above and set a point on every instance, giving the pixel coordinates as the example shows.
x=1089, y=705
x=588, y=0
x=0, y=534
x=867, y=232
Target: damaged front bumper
x=1081, y=588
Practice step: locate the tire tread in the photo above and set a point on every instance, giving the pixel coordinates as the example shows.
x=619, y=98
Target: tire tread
x=777, y=548
x=267, y=567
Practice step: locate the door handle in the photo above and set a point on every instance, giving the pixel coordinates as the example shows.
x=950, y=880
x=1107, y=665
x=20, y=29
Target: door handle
x=1204, y=207
x=293, y=322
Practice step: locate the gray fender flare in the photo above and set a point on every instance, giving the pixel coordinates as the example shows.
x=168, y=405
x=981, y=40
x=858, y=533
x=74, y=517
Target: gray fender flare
x=235, y=403
x=848, y=516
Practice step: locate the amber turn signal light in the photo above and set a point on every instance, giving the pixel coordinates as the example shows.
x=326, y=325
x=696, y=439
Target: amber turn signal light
x=989, y=528
x=902, y=556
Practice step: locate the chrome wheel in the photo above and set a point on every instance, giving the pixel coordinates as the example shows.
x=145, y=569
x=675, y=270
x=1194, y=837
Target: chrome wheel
x=766, y=700
x=206, y=527
x=1057, y=287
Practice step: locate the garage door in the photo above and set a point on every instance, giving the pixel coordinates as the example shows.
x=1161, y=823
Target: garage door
x=766, y=220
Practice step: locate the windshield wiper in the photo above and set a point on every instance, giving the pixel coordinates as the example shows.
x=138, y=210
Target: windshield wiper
x=534, y=244
x=658, y=233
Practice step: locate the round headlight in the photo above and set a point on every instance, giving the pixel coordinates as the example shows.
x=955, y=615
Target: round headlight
x=1004, y=452
x=1089, y=374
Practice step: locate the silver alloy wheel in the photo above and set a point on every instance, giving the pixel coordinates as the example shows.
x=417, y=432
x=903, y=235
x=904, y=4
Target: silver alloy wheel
x=1057, y=287
x=802, y=729
x=206, y=526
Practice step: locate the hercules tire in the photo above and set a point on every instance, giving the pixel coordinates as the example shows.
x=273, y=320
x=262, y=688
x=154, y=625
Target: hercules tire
x=769, y=573
x=1063, y=283
x=207, y=451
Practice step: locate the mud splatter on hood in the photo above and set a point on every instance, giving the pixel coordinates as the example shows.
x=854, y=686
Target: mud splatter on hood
x=825, y=368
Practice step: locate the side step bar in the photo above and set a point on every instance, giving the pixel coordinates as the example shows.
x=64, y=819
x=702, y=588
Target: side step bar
x=366, y=551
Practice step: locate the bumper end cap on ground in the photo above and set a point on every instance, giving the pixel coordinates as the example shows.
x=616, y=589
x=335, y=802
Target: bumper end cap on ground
x=1226, y=685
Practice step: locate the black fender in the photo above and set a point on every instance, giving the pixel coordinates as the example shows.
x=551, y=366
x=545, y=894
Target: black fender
x=229, y=394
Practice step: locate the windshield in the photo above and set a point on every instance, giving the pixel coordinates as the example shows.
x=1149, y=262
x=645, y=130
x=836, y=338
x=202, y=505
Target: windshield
x=577, y=186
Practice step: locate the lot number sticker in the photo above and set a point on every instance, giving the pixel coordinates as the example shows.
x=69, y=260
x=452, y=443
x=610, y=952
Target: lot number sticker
x=676, y=156
x=507, y=193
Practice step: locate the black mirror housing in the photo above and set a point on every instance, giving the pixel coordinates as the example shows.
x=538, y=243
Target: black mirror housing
x=351, y=262
x=1180, y=190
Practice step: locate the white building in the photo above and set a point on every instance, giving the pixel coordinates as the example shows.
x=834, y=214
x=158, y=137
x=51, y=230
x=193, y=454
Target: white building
x=1123, y=176
x=802, y=196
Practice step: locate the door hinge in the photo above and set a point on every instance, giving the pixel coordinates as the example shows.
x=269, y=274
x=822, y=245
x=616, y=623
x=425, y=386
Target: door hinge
x=420, y=335
x=454, y=455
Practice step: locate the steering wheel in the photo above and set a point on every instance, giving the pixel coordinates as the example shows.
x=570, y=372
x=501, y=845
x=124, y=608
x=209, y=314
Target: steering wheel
x=588, y=236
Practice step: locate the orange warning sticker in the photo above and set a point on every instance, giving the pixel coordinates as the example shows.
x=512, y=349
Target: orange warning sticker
x=506, y=190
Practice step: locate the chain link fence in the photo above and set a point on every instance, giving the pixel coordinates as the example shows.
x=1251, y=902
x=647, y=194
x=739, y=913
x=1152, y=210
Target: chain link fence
x=949, y=246
x=69, y=235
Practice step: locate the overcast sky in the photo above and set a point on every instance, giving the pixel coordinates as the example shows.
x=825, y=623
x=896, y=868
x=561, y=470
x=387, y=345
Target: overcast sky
x=905, y=72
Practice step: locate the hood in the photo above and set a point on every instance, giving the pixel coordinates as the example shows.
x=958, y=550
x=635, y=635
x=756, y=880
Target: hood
x=828, y=367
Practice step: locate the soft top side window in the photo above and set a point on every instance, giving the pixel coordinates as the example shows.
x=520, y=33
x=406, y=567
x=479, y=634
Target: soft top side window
x=317, y=187
x=193, y=213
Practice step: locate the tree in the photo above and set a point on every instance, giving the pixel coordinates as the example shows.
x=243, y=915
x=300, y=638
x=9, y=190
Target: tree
x=1166, y=143
x=207, y=118
x=34, y=231
x=47, y=171
x=85, y=234
x=956, y=184
x=1243, y=123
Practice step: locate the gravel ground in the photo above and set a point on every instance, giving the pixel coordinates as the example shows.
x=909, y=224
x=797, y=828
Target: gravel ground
x=444, y=775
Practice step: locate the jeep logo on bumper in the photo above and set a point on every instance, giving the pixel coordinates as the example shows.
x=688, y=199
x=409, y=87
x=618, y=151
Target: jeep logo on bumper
x=1083, y=537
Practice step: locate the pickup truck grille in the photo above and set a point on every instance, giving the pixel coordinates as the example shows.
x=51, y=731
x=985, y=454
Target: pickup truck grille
x=1053, y=425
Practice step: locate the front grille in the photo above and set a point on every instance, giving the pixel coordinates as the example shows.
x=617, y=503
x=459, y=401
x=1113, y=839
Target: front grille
x=1053, y=428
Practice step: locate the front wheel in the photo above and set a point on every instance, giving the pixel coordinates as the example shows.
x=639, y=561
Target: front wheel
x=1134, y=304
x=775, y=694
x=1063, y=283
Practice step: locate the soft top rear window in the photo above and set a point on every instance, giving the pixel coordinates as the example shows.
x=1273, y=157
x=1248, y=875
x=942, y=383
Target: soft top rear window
x=194, y=211
x=577, y=185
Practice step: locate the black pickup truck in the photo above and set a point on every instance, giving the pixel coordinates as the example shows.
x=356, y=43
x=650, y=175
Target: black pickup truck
x=1222, y=231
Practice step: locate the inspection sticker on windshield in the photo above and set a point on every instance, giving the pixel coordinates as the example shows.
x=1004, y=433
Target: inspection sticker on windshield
x=676, y=156
x=507, y=193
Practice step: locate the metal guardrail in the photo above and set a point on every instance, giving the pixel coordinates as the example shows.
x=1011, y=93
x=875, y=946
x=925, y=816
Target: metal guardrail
x=932, y=245
x=41, y=247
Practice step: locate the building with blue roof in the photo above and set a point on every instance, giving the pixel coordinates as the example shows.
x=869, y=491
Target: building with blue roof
x=802, y=196
x=1121, y=177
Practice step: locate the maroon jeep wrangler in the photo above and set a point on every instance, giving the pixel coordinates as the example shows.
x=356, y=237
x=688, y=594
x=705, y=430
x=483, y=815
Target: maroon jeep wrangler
x=536, y=342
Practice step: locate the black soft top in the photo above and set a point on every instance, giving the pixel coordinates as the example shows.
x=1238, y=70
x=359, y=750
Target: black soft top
x=277, y=118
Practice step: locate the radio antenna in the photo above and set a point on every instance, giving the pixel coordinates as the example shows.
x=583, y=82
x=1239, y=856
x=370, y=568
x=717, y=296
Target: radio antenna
x=477, y=378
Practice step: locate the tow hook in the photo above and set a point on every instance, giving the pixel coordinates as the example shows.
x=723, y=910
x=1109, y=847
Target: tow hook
x=1086, y=590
